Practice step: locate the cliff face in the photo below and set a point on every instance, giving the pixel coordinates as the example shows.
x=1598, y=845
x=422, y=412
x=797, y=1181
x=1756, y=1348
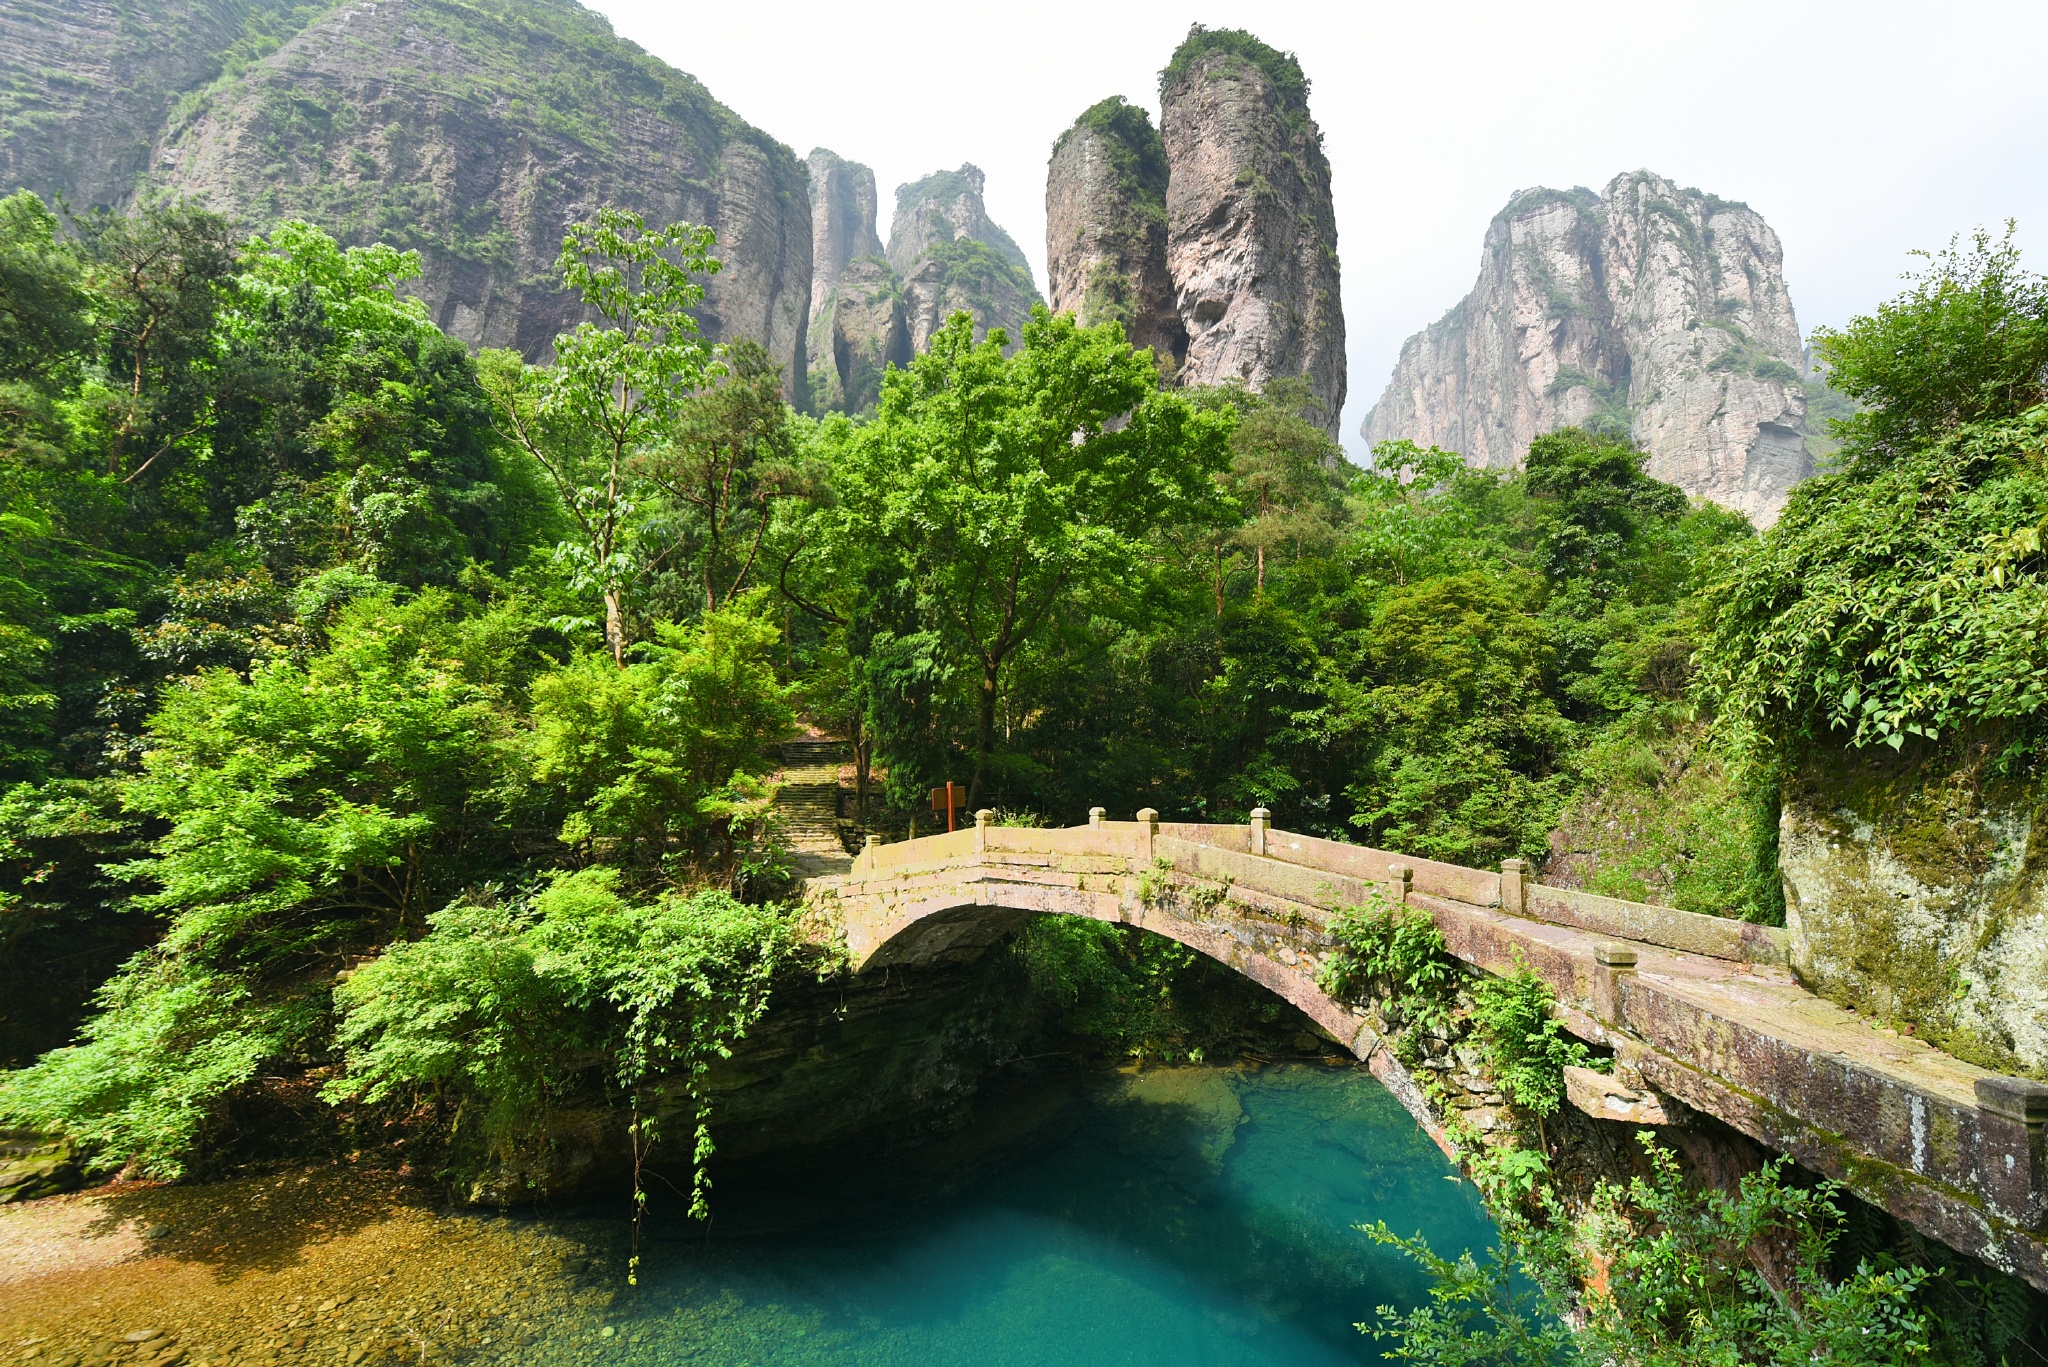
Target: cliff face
x=85, y=85
x=1251, y=232
x=1105, y=228
x=475, y=131
x=950, y=256
x=1648, y=309
x=857, y=328
x=843, y=208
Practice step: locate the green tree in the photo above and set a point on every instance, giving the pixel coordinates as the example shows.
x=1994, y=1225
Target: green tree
x=1967, y=343
x=614, y=392
x=313, y=811
x=1003, y=492
x=729, y=458
x=652, y=757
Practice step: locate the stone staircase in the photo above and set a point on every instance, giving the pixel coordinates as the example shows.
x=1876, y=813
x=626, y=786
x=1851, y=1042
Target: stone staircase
x=808, y=804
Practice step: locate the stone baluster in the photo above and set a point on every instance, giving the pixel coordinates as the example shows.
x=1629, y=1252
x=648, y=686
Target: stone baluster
x=1612, y=962
x=2012, y=1114
x=1514, y=883
x=1148, y=832
x=1262, y=821
x=1400, y=881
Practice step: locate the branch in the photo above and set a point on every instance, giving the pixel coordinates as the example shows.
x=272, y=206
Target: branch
x=782, y=582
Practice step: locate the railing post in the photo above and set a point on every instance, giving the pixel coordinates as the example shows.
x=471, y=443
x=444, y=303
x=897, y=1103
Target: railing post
x=1262, y=820
x=983, y=819
x=1400, y=879
x=1095, y=815
x=1514, y=897
x=867, y=851
x=1612, y=961
x=1148, y=831
x=2012, y=1116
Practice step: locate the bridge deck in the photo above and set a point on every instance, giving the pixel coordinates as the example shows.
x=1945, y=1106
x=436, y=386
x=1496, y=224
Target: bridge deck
x=1707, y=1012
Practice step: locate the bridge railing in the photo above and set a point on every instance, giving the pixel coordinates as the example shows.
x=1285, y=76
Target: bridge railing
x=1510, y=889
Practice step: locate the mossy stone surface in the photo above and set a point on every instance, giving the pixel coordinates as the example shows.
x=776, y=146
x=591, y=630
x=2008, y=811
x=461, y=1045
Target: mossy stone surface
x=1915, y=894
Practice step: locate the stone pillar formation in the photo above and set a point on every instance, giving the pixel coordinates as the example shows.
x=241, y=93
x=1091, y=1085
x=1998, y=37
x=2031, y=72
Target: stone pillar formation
x=1226, y=209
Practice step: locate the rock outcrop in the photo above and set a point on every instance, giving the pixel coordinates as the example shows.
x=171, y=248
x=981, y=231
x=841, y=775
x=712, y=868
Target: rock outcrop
x=1915, y=895
x=951, y=256
x=857, y=327
x=843, y=206
x=1105, y=229
x=474, y=131
x=1251, y=231
x=1648, y=309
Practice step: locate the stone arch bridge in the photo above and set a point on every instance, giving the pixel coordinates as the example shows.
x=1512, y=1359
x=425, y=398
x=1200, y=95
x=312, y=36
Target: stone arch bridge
x=1695, y=1008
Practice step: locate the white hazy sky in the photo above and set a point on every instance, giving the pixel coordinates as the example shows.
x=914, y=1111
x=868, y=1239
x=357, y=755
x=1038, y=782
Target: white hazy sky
x=1859, y=130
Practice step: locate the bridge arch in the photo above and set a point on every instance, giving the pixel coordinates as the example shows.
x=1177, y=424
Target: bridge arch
x=1695, y=1008
x=948, y=927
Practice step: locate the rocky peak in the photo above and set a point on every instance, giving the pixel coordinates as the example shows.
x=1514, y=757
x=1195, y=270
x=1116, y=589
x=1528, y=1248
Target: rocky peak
x=944, y=207
x=1105, y=228
x=950, y=255
x=843, y=207
x=1647, y=309
x=1251, y=229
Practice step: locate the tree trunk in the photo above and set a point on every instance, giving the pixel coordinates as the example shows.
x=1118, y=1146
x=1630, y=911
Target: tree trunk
x=985, y=744
x=615, y=626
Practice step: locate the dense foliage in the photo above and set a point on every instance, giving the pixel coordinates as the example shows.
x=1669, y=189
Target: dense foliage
x=1901, y=594
x=1660, y=1273
x=324, y=644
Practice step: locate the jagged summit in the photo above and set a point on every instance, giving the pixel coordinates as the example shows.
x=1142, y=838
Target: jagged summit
x=1648, y=309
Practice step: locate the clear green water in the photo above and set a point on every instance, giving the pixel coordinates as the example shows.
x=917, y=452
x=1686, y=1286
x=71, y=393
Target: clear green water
x=1186, y=1216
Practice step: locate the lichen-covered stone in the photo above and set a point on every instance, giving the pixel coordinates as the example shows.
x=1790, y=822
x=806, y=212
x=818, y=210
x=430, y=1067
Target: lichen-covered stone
x=1251, y=227
x=1915, y=895
x=1649, y=310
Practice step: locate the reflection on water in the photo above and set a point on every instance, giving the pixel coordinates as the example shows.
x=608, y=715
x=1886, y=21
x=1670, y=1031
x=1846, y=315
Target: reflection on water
x=1176, y=1216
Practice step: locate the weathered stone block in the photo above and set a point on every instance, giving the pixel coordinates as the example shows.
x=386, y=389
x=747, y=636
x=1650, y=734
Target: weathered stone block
x=1913, y=896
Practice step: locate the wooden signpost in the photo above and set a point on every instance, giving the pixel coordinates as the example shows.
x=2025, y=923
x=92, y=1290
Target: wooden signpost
x=949, y=800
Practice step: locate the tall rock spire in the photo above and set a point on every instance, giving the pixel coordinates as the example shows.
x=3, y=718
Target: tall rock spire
x=1251, y=230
